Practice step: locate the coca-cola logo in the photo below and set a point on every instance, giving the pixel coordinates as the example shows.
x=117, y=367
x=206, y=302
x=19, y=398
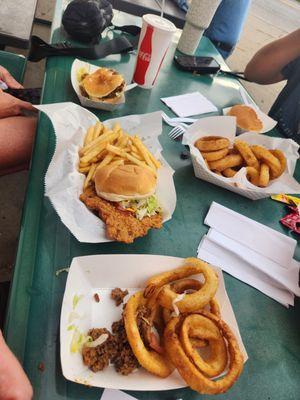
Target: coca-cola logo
x=145, y=56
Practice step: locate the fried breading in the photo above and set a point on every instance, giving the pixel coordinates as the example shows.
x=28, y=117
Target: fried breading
x=122, y=226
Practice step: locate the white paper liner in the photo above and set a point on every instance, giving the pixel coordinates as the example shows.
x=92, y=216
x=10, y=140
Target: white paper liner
x=225, y=126
x=85, y=101
x=268, y=122
x=99, y=274
x=63, y=182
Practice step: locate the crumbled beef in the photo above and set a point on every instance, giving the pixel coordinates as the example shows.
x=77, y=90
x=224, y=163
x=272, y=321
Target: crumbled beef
x=124, y=360
x=118, y=295
x=143, y=313
x=97, y=358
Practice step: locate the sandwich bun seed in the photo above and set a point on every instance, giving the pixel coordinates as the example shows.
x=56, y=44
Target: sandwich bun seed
x=124, y=182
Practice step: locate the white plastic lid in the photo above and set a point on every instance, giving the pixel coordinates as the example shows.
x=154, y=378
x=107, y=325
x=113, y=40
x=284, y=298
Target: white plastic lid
x=160, y=23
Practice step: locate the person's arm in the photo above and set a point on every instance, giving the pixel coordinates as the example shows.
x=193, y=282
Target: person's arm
x=14, y=384
x=6, y=77
x=267, y=64
x=10, y=106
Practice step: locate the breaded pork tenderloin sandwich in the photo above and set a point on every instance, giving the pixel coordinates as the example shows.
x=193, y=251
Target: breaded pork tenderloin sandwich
x=124, y=198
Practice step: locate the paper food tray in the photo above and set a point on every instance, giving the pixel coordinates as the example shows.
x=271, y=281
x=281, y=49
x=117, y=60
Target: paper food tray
x=86, y=102
x=268, y=122
x=225, y=126
x=100, y=274
x=63, y=182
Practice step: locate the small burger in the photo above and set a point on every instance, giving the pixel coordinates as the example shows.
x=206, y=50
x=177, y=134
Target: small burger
x=104, y=84
x=246, y=118
x=124, y=198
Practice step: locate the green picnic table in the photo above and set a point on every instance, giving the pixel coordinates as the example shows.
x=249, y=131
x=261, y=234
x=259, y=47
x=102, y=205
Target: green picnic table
x=270, y=331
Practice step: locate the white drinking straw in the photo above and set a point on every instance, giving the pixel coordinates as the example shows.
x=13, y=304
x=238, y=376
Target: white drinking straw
x=162, y=8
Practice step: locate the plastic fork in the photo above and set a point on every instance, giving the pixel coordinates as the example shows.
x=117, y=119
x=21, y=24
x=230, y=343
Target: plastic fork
x=178, y=131
x=175, y=121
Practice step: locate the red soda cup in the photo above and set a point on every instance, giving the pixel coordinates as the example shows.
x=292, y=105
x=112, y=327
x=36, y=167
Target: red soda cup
x=155, y=39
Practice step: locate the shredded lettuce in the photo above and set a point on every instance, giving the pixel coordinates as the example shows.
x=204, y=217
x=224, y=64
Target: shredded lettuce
x=76, y=300
x=78, y=340
x=71, y=327
x=142, y=208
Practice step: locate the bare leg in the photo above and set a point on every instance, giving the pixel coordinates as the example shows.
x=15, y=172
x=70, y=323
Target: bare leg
x=16, y=139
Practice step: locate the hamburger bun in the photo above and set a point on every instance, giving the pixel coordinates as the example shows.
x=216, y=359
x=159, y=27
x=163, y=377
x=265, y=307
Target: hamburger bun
x=103, y=83
x=246, y=118
x=124, y=182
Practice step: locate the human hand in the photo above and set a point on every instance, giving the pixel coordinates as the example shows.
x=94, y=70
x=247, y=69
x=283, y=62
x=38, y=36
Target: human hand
x=6, y=77
x=14, y=384
x=11, y=106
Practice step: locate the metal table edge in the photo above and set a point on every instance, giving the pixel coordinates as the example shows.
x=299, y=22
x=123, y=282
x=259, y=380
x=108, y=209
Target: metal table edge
x=20, y=276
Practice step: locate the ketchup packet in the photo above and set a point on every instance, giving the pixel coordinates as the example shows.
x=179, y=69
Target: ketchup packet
x=292, y=220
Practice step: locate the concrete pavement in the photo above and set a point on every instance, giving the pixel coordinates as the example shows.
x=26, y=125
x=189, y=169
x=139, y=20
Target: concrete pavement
x=267, y=21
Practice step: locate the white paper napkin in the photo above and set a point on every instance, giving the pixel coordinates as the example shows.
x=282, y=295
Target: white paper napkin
x=266, y=241
x=284, y=278
x=251, y=252
x=113, y=394
x=189, y=104
x=228, y=261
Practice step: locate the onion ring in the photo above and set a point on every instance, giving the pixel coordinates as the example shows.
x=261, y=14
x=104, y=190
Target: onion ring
x=187, y=284
x=229, y=172
x=217, y=173
x=266, y=156
x=264, y=175
x=212, y=143
x=215, y=155
x=191, y=302
x=149, y=359
x=245, y=151
x=230, y=161
x=282, y=159
x=252, y=175
x=187, y=369
x=203, y=328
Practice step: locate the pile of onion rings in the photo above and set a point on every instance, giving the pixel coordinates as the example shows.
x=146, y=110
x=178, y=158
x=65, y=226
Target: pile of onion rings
x=183, y=323
x=262, y=165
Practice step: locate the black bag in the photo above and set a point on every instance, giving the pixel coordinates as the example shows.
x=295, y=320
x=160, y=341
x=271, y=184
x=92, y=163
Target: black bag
x=84, y=20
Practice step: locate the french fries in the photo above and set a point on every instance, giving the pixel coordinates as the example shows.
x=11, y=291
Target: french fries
x=103, y=146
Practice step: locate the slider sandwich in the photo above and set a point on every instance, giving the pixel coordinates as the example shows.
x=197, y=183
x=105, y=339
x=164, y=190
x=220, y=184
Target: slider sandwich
x=105, y=84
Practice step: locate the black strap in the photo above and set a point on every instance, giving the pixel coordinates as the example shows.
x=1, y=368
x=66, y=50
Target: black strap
x=122, y=44
x=131, y=29
x=239, y=75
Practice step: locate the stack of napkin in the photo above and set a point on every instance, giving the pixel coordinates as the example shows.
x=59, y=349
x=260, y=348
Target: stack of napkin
x=252, y=253
x=186, y=105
